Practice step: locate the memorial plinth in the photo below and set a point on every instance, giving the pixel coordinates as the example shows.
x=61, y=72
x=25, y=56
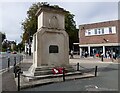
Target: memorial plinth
x=51, y=42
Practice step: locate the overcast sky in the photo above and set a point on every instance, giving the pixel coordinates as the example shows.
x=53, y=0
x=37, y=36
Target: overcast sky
x=13, y=13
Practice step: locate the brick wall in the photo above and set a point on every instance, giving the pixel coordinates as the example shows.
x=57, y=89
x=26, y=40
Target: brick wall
x=113, y=38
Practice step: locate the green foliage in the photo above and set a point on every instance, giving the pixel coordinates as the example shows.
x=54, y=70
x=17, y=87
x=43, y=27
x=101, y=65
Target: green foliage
x=30, y=24
x=4, y=46
x=2, y=36
x=70, y=28
x=20, y=47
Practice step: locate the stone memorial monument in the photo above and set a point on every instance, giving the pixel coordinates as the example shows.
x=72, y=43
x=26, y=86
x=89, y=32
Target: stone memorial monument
x=51, y=42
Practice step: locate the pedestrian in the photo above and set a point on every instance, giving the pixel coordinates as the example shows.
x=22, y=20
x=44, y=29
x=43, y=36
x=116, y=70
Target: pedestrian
x=114, y=55
x=83, y=54
x=107, y=55
x=71, y=54
x=102, y=55
x=86, y=54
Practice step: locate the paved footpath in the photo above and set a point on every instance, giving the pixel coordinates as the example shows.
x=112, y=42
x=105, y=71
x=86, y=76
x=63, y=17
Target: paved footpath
x=8, y=80
x=77, y=59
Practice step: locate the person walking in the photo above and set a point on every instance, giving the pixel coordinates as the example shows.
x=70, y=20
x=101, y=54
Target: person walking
x=86, y=54
x=71, y=54
x=114, y=55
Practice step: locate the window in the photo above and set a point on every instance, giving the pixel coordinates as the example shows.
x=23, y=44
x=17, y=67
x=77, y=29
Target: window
x=102, y=30
x=98, y=31
x=95, y=31
x=110, y=30
x=89, y=32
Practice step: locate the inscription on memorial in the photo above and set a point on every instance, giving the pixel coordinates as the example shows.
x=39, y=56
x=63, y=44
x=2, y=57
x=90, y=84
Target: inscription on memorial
x=53, y=49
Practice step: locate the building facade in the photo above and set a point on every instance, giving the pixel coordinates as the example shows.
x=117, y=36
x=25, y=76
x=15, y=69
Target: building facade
x=97, y=38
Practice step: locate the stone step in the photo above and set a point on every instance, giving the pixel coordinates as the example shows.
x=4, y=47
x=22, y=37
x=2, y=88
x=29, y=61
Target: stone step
x=34, y=78
x=43, y=68
x=44, y=81
x=48, y=70
x=43, y=72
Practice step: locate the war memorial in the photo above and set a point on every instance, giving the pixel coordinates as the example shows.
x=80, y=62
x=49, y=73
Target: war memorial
x=51, y=45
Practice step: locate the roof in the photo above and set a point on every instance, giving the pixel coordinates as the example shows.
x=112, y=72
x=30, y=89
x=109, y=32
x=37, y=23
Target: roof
x=50, y=9
x=98, y=22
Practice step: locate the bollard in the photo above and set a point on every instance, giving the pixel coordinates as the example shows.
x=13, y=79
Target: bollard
x=16, y=69
x=19, y=80
x=101, y=57
x=14, y=61
x=78, y=66
x=19, y=72
x=8, y=64
x=95, y=71
x=20, y=58
x=15, y=74
x=63, y=74
x=14, y=64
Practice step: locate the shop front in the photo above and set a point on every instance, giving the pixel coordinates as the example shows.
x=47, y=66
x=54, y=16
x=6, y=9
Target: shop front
x=97, y=50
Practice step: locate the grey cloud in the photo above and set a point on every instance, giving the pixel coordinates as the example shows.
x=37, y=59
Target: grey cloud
x=100, y=11
x=12, y=16
x=87, y=12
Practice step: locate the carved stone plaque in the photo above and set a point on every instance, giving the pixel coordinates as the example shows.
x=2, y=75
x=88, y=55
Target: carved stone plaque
x=53, y=22
x=53, y=49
